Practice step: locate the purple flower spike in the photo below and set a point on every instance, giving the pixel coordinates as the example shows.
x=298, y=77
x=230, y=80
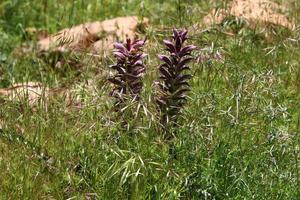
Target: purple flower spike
x=130, y=70
x=173, y=82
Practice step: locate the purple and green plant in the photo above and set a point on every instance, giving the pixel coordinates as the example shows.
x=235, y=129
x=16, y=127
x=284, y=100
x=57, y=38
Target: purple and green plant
x=130, y=70
x=174, y=77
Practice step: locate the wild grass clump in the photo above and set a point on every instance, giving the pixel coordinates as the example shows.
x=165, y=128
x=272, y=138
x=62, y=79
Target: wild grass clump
x=235, y=134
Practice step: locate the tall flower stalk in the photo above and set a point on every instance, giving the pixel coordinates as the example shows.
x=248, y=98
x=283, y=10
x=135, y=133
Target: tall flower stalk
x=129, y=70
x=174, y=76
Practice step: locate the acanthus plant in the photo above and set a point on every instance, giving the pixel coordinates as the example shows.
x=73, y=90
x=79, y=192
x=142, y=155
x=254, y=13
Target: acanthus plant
x=174, y=77
x=129, y=70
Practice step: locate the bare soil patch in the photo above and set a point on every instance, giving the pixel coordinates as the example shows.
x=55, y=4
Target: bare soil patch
x=253, y=11
x=94, y=36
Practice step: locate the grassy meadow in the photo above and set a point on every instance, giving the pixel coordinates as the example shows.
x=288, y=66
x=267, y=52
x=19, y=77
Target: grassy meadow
x=238, y=135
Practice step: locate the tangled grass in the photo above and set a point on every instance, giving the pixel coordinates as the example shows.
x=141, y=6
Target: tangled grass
x=238, y=136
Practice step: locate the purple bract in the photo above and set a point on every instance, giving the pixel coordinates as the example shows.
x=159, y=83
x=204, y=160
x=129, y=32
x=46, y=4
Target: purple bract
x=129, y=70
x=174, y=76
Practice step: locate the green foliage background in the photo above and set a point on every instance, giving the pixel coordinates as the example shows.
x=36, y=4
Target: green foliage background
x=239, y=134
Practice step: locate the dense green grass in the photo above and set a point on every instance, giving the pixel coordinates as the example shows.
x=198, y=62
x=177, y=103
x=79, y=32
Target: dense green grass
x=238, y=136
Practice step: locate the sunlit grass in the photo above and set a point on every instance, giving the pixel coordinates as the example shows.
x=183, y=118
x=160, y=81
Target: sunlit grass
x=238, y=136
